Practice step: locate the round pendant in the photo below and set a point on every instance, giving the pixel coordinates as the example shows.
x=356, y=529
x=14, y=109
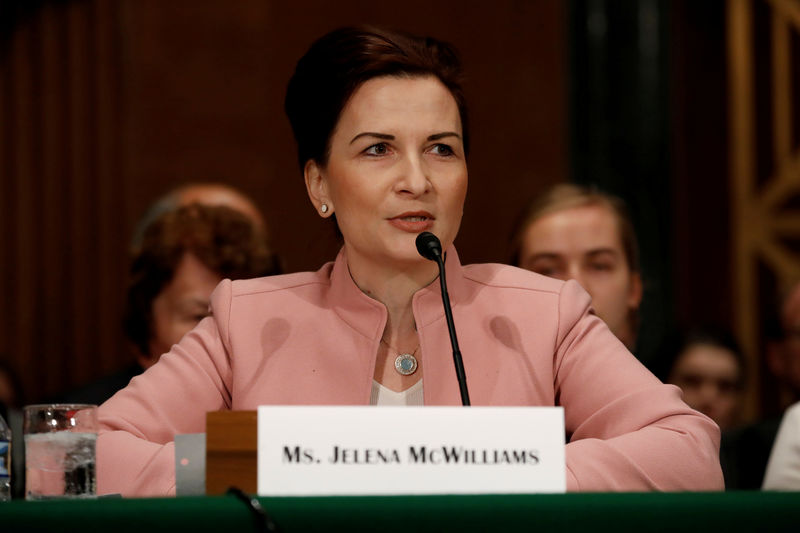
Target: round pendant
x=406, y=364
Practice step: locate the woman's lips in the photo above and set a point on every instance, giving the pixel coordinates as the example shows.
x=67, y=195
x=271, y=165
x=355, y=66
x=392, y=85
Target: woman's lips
x=415, y=222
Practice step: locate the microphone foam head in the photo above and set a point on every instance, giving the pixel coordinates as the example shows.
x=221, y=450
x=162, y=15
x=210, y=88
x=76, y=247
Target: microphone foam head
x=428, y=246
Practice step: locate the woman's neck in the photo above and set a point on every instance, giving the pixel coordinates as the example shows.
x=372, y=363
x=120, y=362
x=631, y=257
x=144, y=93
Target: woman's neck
x=394, y=287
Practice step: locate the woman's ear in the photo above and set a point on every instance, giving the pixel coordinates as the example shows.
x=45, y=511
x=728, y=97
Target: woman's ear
x=317, y=188
x=636, y=291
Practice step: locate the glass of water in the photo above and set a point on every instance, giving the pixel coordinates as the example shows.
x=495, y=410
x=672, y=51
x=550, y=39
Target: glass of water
x=60, y=451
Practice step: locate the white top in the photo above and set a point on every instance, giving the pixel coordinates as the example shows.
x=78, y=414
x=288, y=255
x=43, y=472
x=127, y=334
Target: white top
x=382, y=396
x=783, y=468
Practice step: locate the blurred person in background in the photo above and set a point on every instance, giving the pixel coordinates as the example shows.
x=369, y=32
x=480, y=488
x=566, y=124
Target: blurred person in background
x=745, y=451
x=178, y=257
x=783, y=347
x=708, y=366
x=201, y=193
x=581, y=233
x=11, y=401
x=783, y=360
x=783, y=467
x=183, y=256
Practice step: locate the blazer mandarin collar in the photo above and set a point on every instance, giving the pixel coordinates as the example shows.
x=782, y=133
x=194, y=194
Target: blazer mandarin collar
x=368, y=316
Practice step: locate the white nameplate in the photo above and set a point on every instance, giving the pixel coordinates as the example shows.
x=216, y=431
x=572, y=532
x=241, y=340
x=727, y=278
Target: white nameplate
x=305, y=451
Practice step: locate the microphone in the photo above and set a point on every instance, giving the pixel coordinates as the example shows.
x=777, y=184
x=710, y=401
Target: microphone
x=429, y=247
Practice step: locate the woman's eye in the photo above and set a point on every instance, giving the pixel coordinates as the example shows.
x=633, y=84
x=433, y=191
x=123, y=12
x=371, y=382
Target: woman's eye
x=551, y=271
x=377, y=149
x=442, y=149
x=601, y=267
x=193, y=318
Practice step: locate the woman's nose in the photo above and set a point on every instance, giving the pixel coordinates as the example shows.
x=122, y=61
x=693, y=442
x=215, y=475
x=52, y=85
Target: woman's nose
x=575, y=272
x=414, y=178
x=709, y=391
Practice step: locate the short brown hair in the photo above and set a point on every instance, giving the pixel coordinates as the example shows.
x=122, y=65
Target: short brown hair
x=224, y=240
x=567, y=195
x=338, y=63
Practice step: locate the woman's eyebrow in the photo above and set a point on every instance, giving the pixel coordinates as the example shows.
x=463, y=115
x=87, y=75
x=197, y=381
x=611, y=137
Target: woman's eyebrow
x=383, y=136
x=437, y=136
x=602, y=251
x=552, y=256
x=387, y=137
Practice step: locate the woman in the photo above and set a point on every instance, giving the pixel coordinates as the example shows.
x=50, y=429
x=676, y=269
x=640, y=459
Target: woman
x=181, y=257
x=580, y=233
x=380, y=122
x=708, y=366
x=783, y=467
x=177, y=259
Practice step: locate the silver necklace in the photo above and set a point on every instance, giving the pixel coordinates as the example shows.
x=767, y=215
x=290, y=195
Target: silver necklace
x=404, y=363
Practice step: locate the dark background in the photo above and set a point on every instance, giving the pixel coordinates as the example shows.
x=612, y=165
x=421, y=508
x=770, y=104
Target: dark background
x=106, y=105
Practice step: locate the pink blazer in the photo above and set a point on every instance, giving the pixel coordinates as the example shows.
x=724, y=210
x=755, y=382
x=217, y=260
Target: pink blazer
x=311, y=338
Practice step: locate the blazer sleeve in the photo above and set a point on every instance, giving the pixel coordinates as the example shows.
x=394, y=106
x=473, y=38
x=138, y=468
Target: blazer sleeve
x=627, y=431
x=783, y=468
x=135, y=449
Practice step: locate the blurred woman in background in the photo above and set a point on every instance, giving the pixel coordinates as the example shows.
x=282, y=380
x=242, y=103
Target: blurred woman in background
x=708, y=366
x=580, y=233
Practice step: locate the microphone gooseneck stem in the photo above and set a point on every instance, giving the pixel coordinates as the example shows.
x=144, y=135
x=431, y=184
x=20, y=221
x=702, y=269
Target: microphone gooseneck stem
x=451, y=327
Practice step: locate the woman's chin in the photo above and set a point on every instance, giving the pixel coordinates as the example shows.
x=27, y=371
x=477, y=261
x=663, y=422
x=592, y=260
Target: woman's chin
x=392, y=251
x=400, y=256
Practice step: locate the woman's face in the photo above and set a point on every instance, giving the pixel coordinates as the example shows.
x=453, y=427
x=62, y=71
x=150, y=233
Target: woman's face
x=180, y=305
x=709, y=377
x=583, y=243
x=396, y=168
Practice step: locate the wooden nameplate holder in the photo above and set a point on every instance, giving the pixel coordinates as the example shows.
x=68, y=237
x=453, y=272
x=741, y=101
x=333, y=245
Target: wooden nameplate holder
x=231, y=451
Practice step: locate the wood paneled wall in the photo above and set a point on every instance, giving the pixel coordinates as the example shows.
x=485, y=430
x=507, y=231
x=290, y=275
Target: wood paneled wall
x=764, y=68
x=736, y=178
x=104, y=105
x=62, y=203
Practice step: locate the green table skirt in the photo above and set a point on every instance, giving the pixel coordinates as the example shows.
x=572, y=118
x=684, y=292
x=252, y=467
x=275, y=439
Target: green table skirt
x=673, y=512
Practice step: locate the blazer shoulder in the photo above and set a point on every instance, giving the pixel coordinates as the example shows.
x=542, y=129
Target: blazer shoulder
x=506, y=276
x=255, y=286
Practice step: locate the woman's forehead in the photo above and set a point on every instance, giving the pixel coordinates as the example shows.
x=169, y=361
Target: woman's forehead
x=400, y=103
x=576, y=227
